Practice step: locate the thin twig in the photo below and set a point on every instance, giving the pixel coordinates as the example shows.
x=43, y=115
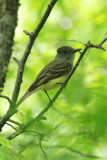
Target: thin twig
x=35, y=132
x=2, y=96
x=40, y=144
x=16, y=60
x=78, y=152
x=71, y=40
x=14, y=122
x=11, y=126
x=26, y=32
x=17, y=123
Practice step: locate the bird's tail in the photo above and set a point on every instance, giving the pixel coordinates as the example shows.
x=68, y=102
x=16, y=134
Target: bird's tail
x=23, y=98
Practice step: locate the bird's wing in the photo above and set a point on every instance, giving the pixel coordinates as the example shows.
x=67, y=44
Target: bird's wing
x=53, y=70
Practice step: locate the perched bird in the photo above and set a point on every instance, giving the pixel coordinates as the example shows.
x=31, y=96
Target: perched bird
x=54, y=73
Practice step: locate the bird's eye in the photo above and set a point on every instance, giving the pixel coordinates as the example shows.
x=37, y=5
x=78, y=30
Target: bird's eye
x=65, y=52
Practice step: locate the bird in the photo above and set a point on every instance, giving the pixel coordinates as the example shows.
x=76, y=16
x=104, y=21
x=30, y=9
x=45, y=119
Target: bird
x=54, y=73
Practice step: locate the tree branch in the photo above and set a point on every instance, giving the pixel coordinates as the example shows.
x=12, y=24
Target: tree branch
x=16, y=60
x=12, y=108
x=41, y=114
x=14, y=122
x=11, y=126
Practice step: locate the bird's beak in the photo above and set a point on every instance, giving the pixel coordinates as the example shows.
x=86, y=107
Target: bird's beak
x=76, y=50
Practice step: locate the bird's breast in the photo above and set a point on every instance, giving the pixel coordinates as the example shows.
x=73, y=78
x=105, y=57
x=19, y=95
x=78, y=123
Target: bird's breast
x=52, y=83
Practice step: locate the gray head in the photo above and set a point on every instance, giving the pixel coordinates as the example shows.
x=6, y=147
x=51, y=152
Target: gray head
x=66, y=53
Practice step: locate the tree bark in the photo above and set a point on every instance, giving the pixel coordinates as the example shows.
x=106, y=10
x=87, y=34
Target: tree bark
x=8, y=22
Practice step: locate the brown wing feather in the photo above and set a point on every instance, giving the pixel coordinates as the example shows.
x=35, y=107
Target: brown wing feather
x=51, y=71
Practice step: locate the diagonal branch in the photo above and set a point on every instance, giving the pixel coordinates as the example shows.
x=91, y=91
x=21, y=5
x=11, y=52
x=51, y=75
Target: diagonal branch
x=15, y=122
x=32, y=36
x=11, y=125
x=41, y=114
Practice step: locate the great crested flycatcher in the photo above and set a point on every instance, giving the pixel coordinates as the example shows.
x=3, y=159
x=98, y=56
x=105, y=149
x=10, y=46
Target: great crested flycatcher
x=54, y=73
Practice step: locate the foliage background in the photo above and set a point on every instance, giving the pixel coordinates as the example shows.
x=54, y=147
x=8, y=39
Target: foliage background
x=78, y=119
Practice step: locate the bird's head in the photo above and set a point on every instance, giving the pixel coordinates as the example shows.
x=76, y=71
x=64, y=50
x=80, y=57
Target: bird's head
x=66, y=53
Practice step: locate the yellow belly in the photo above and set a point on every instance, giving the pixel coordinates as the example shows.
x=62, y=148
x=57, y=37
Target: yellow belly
x=52, y=83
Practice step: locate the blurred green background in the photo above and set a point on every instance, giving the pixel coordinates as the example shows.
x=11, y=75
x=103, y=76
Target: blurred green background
x=78, y=119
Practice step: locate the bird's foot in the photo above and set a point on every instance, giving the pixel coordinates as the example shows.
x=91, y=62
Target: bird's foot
x=50, y=100
x=61, y=84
